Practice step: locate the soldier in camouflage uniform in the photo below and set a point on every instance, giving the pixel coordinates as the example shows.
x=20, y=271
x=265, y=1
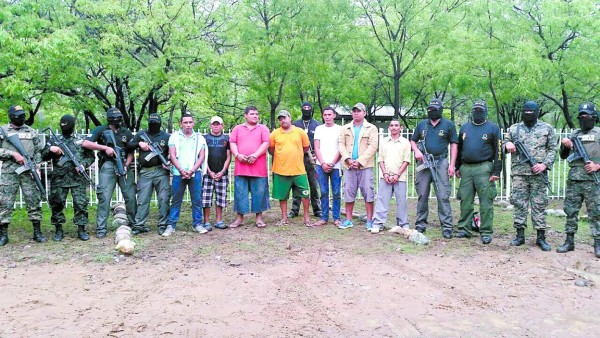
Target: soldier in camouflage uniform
x=153, y=175
x=66, y=177
x=580, y=181
x=107, y=175
x=11, y=181
x=529, y=187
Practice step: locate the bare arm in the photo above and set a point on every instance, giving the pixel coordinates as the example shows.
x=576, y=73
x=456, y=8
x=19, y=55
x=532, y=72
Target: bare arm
x=174, y=160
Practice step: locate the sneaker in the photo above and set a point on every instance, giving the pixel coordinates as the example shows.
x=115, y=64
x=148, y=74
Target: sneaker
x=168, y=231
x=208, y=226
x=369, y=225
x=199, y=228
x=486, y=239
x=221, y=225
x=420, y=229
x=375, y=229
x=292, y=214
x=346, y=224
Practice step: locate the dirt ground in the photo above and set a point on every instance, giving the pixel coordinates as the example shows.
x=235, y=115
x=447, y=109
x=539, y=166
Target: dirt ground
x=297, y=281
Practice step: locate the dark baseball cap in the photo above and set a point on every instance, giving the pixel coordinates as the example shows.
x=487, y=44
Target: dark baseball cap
x=16, y=110
x=480, y=104
x=587, y=108
x=113, y=113
x=154, y=118
x=435, y=104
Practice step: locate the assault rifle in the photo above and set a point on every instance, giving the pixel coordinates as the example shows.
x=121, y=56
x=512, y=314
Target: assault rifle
x=527, y=158
x=155, y=150
x=580, y=153
x=29, y=165
x=428, y=163
x=109, y=136
x=68, y=156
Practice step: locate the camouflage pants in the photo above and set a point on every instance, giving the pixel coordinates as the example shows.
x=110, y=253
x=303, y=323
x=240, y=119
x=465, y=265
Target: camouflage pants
x=58, y=199
x=9, y=190
x=529, y=190
x=577, y=191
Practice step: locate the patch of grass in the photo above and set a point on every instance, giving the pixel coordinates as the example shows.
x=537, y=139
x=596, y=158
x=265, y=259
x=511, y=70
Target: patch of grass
x=103, y=258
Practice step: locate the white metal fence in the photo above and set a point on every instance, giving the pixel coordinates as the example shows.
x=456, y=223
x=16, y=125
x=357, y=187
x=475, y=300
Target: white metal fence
x=557, y=177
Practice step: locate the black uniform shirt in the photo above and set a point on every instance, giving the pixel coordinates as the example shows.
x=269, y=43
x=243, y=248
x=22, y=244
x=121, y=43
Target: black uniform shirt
x=480, y=143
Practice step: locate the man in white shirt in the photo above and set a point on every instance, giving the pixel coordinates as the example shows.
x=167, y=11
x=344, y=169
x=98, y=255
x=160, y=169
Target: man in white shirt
x=328, y=166
x=187, y=151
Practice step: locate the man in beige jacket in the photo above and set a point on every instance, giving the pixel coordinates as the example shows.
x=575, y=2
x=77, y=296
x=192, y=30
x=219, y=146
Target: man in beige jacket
x=357, y=146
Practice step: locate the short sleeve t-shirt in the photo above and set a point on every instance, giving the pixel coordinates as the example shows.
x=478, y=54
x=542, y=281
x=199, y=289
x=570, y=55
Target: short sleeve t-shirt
x=328, y=143
x=188, y=149
x=217, y=150
x=122, y=137
x=288, y=157
x=393, y=154
x=247, y=141
x=438, y=137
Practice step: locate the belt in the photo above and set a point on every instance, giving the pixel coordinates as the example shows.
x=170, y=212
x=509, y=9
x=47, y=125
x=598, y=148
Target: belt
x=152, y=168
x=477, y=162
x=438, y=157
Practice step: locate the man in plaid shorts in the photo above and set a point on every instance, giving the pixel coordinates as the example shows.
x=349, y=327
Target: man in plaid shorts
x=219, y=157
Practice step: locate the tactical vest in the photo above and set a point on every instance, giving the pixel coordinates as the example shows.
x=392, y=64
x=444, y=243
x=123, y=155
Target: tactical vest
x=25, y=134
x=591, y=143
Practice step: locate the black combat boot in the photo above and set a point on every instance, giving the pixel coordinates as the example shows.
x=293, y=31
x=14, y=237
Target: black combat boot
x=3, y=234
x=37, y=232
x=58, y=233
x=569, y=244
x=520, y=238
x=541, y=241
x=81, y=233
x=596, y=247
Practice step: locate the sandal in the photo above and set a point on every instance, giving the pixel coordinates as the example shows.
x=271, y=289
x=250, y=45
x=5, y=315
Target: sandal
x=308, y=224
x=281, y=223
x=260, y=224
x=319, y=223
x=337, y=223
x=235, y=224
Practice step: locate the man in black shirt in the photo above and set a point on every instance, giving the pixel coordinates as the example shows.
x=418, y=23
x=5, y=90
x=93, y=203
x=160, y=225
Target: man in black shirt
x=107, y=175
x=309, y=125
x=216, y=179
x=478, y=165
x=153, y=174
x=436, y=133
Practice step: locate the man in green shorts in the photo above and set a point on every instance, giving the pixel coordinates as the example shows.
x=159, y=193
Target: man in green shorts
x=288, y=144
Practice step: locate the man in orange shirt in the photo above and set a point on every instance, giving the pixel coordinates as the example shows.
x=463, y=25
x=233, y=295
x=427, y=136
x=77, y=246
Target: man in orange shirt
x=288, y=144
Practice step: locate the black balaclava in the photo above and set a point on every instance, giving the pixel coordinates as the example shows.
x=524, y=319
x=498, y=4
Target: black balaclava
x=67, y=125
x=114, y=117
x=586, y=124
x=16, y=114
x=154, y=123
x=434, y=110
x=479, y=112
x=588, y=109
x=307, y=114
x=530, y=119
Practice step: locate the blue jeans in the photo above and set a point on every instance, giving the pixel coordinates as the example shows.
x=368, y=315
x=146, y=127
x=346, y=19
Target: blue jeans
x=258, y=187
x=195, y=186
x=336, y=183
